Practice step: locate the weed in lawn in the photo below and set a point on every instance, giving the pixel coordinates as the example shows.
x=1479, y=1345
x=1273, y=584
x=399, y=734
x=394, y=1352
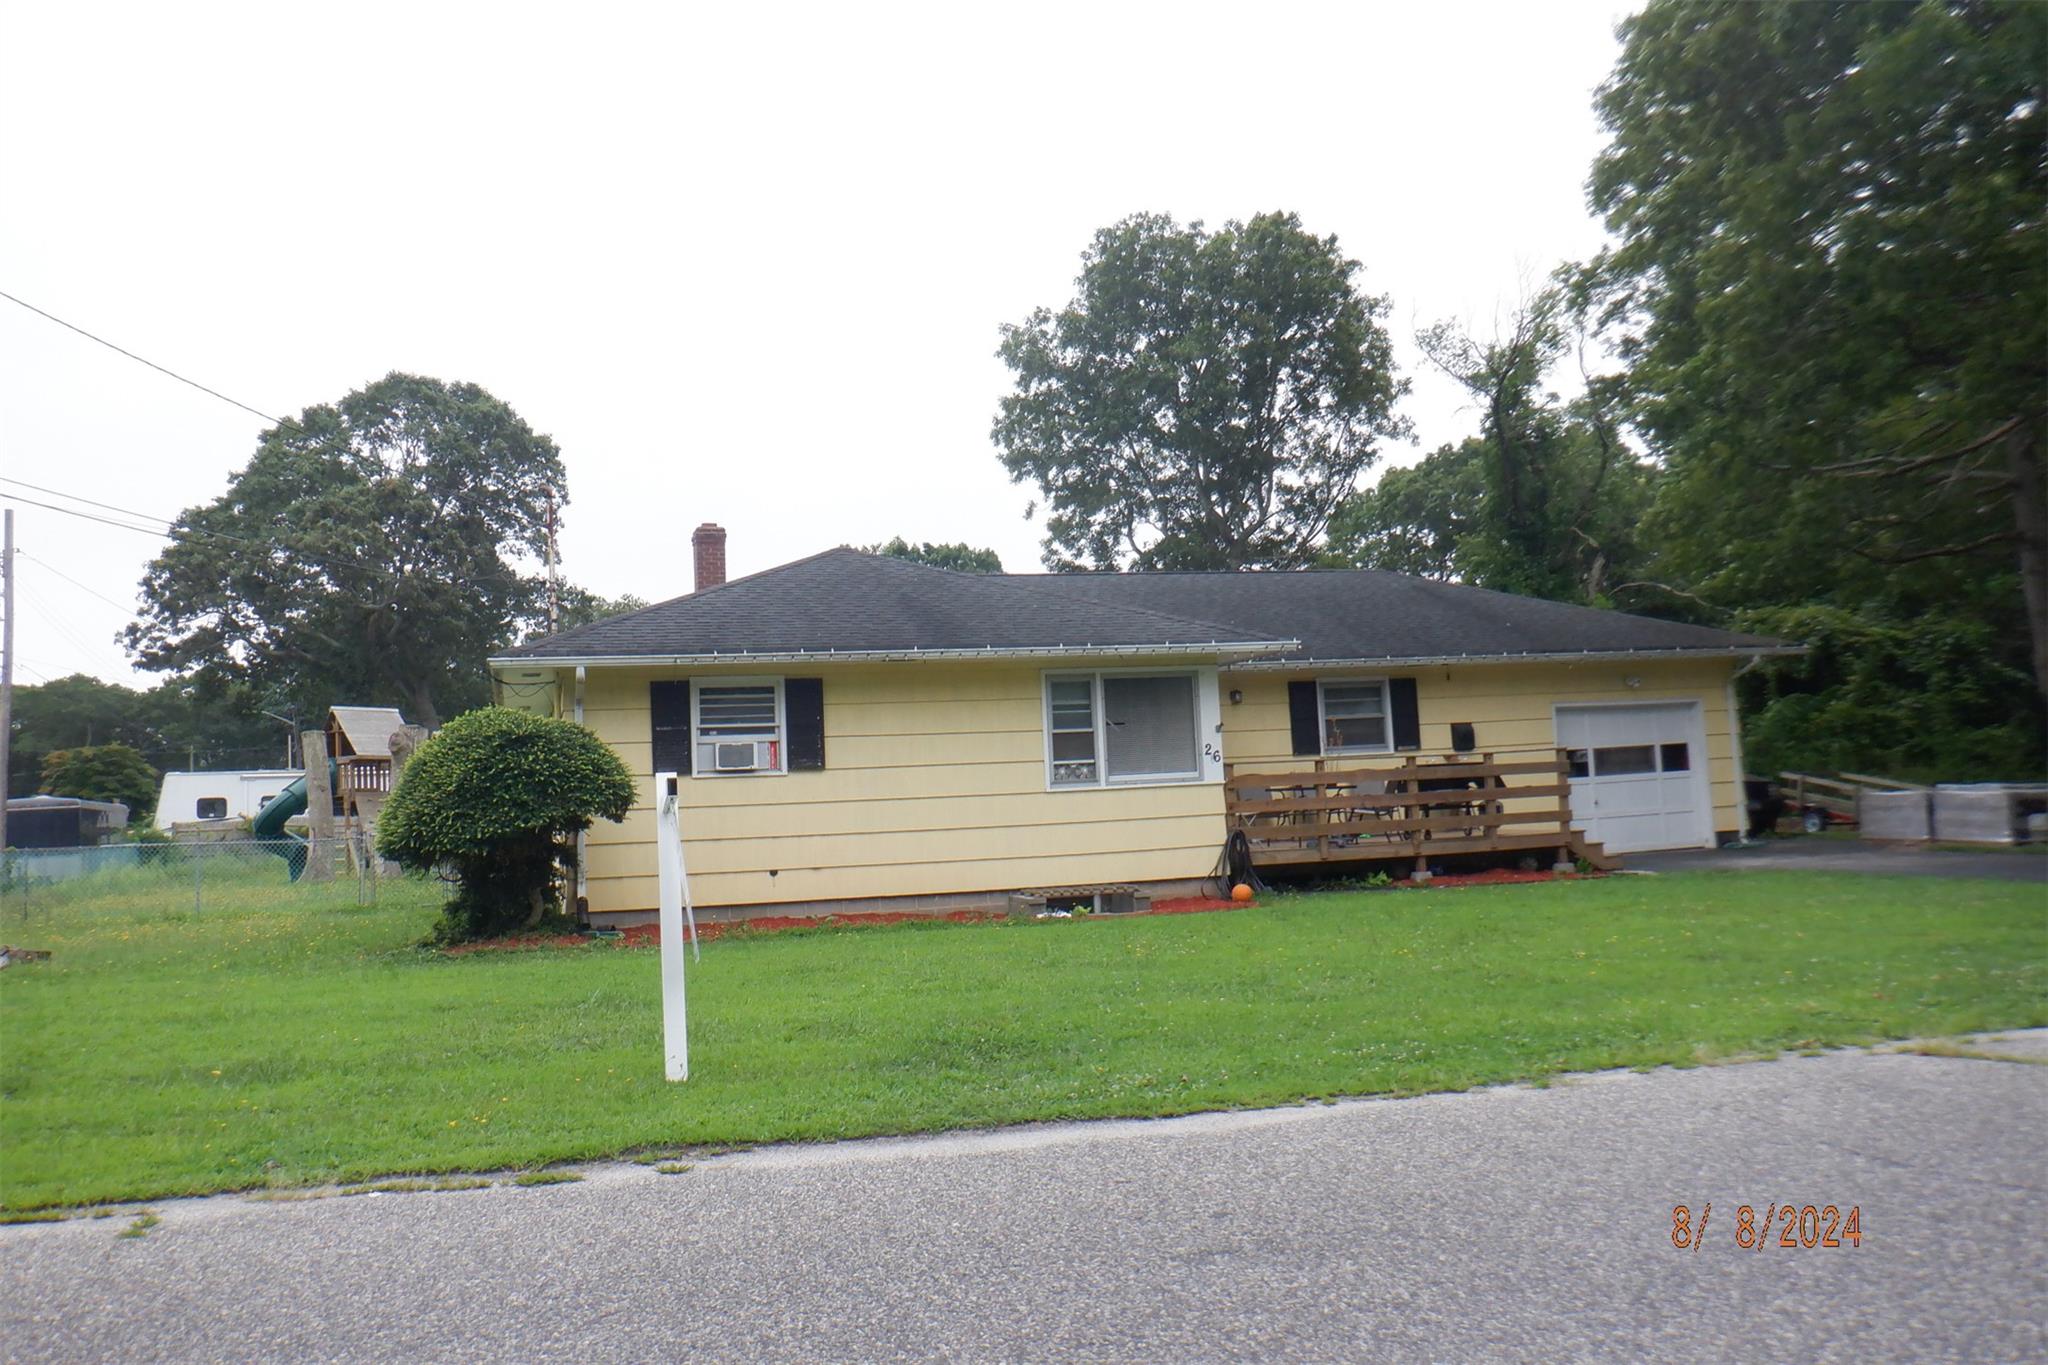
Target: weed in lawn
x=671, y=1167
x=141, y=1226
x=545, y=1178
x=32, y=1216
x=415, y=1186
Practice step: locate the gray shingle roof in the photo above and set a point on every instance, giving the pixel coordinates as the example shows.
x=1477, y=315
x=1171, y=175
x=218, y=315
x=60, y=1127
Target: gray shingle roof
x=1352, y=614
x=847, y=602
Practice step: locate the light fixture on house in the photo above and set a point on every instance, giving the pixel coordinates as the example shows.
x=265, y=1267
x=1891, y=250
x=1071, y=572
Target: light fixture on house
x=1235, y=696
x=1631, y=682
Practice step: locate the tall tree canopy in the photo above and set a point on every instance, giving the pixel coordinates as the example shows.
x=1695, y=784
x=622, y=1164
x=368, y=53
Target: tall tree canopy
x=1206, y=401
x=175, y=724
x=580, y=606
x=1423, y=519
x=1830, y=283
x=104, y=772
x=365, y=554
x=955, y=555
x=1545, y=501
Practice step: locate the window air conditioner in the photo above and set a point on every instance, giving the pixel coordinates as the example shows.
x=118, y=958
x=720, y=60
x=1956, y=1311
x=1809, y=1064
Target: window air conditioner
x=741, y=756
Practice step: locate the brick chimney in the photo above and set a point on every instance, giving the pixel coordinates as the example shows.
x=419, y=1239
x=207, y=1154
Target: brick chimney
x=708, y=541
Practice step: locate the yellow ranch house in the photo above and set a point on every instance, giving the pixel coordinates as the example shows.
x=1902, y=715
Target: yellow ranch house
x=853, y=732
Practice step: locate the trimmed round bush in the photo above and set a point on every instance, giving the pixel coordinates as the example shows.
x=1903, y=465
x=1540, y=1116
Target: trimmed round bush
x=497, y=798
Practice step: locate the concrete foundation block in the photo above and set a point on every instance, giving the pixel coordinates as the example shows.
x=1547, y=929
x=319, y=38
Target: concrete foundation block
x=1975, y=817
x=1902, y=816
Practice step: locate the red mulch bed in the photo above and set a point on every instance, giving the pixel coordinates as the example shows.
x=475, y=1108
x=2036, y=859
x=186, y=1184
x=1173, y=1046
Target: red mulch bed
x=1499, y=876
x=649, y=935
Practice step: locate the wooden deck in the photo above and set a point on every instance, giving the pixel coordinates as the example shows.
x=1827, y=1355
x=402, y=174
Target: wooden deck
x=1408, y=809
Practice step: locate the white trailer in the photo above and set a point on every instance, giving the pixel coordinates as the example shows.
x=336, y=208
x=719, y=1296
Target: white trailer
x=188, y=798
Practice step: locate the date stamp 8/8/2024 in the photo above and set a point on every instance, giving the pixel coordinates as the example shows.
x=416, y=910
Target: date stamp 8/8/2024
x=1795, y=1227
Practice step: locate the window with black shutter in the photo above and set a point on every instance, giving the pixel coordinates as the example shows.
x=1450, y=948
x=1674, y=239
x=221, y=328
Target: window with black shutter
x=1353, y=716
x=804, y=700
x=668, y=710
x=1406, y=714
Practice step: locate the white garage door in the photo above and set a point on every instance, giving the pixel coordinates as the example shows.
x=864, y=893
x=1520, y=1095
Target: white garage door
x=1638, y=775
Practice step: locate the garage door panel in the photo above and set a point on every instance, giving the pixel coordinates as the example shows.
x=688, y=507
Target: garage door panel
x=1637, y=784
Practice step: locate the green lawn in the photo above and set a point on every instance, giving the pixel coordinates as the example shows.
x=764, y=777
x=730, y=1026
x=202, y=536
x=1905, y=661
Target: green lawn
x=162, y=1052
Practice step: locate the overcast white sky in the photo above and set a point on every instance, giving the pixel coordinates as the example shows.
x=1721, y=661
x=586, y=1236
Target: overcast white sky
x=744, y=265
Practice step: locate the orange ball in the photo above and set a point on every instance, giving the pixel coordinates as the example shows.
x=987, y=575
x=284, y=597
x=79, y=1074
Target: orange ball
x=1240, y=892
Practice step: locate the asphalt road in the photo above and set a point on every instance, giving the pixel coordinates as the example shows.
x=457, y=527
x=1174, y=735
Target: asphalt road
x=1798, y=854
x=1514, y=1224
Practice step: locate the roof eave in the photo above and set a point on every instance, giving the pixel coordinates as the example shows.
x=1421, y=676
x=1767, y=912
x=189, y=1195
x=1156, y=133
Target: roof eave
x=1533, y=657
x=1221, y=649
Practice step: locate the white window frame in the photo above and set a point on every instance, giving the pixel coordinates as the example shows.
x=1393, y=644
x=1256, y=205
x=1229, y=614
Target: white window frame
x=1208, y=728
x=1386, y=717
x=698, y=739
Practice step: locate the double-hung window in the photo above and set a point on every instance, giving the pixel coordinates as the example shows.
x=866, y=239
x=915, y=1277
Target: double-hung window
x=1110, y=729
x=738, y=728
x=1354, y=716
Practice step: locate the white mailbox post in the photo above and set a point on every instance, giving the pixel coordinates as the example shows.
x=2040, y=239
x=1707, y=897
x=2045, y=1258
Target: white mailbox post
x=675, y=910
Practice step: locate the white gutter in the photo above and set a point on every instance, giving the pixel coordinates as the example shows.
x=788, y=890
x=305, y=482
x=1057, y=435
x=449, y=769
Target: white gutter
x=1583, y=656
x=582, y=849
x=794, y=656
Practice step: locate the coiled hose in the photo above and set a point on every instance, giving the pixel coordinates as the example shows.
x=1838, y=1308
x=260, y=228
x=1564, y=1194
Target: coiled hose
x=1234, y=866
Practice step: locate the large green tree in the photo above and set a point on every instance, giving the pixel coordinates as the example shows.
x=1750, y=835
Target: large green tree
x=1206, y=401
x=1831, y=284
x=370, y=552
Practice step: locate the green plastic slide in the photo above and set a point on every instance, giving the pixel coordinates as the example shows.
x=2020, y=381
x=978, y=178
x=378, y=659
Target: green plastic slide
x=270, y=821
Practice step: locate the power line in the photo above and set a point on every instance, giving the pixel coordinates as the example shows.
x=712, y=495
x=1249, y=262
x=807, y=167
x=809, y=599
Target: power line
x=143, y=360
x=105, y=521
x=104, y=506
x=327, y=561
x=56, y=624
x=128, y=609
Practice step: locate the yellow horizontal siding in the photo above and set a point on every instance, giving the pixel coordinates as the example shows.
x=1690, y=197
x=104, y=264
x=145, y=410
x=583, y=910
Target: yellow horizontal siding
x=936, y=780
x=934, y=784
x=1509, y=707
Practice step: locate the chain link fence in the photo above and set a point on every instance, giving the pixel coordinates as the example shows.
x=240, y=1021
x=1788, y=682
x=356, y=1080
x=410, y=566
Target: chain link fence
x=244, y=874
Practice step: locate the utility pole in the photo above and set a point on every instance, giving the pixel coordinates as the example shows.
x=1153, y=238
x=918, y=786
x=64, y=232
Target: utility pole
x=6, y=670
x=553, y=564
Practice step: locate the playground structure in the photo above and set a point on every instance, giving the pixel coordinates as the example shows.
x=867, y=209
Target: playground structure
x=357, y=753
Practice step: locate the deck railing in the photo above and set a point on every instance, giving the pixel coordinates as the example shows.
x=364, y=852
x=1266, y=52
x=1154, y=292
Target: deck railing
x=1412, y=808
x=366, y=774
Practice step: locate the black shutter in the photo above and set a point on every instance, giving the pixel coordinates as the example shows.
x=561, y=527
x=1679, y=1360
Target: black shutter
x=1304, y=718
x=1407, y=724
x=803, y=703
x=668, y=710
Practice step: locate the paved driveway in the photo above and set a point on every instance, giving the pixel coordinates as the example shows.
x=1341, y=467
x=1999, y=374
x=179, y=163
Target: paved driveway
x=1849, y=855
x=1511, y=1224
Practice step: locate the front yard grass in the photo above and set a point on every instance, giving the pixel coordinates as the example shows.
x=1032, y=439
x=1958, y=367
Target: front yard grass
x=161, y=1052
